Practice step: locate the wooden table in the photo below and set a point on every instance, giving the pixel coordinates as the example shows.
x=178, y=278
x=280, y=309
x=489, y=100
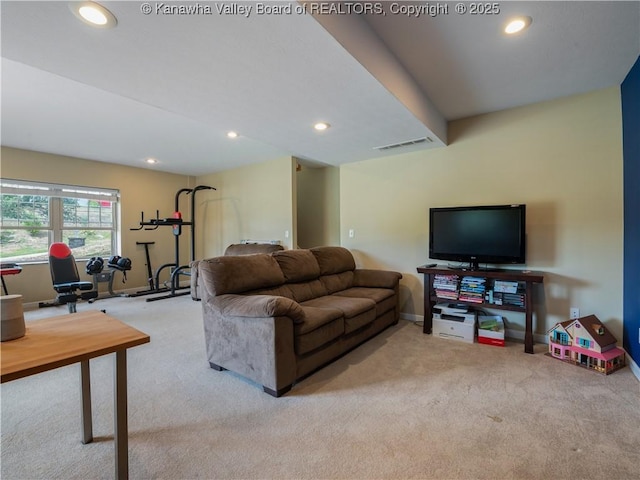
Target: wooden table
x=77, y=337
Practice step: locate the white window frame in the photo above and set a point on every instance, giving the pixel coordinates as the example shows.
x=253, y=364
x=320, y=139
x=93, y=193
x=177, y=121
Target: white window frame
x=56, y=192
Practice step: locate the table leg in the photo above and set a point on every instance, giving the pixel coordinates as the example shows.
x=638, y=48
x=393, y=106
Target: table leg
x=120, y=416
x=85, y=386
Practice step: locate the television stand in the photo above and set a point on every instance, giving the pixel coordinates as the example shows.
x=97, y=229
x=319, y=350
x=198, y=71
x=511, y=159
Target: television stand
x=528, y=277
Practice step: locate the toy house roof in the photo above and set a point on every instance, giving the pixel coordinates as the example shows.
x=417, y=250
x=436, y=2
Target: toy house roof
x=564, y=325
x=601, y=335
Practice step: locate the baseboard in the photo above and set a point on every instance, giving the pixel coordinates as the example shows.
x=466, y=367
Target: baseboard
x=635, y=369
x=411, y=317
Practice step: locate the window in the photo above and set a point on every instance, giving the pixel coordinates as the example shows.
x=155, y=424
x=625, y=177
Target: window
x=584, y=342
x=562, y=338
x=33, y=215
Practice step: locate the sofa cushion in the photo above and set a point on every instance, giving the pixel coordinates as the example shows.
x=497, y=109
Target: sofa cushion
x=337, y=282
x=333, y=259
x=239, y=274
x=303, y=291
x=320, y=326
x=357, y=311
x=384, y=297
x=297, y=265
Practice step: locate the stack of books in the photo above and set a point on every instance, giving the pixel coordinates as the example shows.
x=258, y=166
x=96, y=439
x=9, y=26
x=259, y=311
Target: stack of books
x=505, y=286
x=472, y=289
x=507, y=293
x=446, y=286
x=516, y=299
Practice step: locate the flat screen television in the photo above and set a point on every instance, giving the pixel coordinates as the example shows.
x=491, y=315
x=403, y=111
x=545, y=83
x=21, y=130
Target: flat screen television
x=489, y=234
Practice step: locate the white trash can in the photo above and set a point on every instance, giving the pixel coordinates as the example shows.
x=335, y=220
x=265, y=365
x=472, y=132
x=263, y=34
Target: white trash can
x=12, y=323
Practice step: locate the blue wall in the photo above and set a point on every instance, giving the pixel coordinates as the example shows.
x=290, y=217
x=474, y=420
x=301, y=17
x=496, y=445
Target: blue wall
x=631, y=148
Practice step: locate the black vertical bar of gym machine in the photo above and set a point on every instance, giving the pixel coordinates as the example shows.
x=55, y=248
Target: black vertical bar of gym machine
x=149, y=269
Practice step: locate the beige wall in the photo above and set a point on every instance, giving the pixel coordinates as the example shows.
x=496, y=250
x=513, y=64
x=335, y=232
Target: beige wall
x=318, y=202
x=140, y=189
x=562, y=158
x=250, y=203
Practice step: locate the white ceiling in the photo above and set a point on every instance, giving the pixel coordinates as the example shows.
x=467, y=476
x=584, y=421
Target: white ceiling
x=171, y=86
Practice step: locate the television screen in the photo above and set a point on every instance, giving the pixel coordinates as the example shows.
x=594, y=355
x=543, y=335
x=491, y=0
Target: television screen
x=491, y=234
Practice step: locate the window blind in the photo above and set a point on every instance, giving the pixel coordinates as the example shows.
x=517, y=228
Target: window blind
x=21, y=187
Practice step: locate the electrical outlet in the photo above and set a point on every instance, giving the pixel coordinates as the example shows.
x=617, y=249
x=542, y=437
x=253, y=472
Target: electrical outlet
x=574, y=312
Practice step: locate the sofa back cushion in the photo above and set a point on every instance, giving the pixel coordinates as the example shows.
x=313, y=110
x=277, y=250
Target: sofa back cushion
x=303, y=291
x=297, y=265
x=333, y=260
x=238, y=274
x=337, y=282
x=336, y=267
x=301, y=271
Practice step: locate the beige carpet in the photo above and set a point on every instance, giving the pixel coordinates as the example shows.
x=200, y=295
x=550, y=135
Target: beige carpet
x=404, y=405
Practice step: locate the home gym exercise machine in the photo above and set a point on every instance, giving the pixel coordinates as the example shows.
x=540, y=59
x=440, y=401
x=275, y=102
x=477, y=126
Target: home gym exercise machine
x=176, y=223
x=150, y=280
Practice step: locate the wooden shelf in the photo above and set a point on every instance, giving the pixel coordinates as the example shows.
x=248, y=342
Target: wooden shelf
x=512, y=308
x=529, y=278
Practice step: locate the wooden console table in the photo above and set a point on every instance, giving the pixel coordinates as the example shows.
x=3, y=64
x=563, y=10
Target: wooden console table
x=528, y=277
x=77, y=337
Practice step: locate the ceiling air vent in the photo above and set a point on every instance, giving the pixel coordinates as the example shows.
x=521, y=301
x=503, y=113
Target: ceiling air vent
x=405, y=144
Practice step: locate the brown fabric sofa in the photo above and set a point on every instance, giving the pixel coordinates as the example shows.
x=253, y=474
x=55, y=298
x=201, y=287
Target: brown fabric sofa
x=275, y=318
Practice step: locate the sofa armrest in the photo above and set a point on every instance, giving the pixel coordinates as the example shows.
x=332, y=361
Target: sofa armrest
x=194, y=283
x=259, y=306
x=376, y=278
x=253, y=335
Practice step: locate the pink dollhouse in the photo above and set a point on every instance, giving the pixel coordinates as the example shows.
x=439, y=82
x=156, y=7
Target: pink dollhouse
x=586, y=342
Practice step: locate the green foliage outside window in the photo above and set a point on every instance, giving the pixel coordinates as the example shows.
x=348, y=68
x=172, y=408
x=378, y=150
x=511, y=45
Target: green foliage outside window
x=28, y=226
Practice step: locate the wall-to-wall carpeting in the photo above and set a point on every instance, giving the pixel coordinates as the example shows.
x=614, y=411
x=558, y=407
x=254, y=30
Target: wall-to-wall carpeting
x=403, y=405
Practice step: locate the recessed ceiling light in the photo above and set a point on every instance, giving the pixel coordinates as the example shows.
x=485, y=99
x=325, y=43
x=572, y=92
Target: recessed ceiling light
x=93, y=14
x=516, y=25
x=321, y=126
x=151, y=161
x=232, y=134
